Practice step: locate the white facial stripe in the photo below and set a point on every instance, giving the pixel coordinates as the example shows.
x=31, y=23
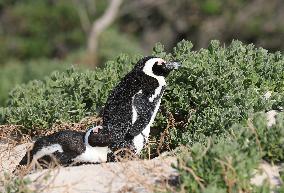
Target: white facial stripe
x=87, y=136
x=148, y=70
x=48, y=150
x=161, y=80
x=95, y=130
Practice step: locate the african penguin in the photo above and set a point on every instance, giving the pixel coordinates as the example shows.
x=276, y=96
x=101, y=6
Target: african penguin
x=68, y=147
x=133, y=104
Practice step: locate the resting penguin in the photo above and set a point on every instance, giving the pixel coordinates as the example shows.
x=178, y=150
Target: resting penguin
x=67, y=147
x=133, y=104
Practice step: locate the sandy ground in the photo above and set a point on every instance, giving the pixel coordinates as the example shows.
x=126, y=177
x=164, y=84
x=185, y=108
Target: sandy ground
x=132, y=176
x=10, y=156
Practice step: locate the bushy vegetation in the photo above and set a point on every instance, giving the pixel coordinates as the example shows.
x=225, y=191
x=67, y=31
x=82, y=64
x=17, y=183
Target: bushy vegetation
x=228, y=164
x=214, y=99
x=216, y=88
x=14, y=73
x=66, y=97
x=12, y=184
x=224, y=165
x=271, y=139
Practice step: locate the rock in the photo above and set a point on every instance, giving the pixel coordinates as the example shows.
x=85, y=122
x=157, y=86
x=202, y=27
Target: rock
x=267, y=172
x=271, y=117
x=11, y=155
x=267, y=95
x=131, y=176
x=140, y=176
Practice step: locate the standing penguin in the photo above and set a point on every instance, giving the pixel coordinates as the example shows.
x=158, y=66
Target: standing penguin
x=67, y=147
x=128, y=114
x=133, y=104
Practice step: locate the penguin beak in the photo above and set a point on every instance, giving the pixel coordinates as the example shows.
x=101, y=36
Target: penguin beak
x=173, y=65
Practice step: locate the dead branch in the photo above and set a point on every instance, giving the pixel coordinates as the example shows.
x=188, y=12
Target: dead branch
x=99, y=26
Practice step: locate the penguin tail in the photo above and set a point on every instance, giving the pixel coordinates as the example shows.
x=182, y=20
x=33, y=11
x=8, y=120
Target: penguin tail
x=26, y=159
x=23, y=163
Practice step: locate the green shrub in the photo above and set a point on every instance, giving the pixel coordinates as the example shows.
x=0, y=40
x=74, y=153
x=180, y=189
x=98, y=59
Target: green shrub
x=218, y=87
x=271, y=138
x=228, y=163
x=281, y=188
x=14, y=73
x=222, y=167
x=2, y=115
x=66, y=97
x=14, y=184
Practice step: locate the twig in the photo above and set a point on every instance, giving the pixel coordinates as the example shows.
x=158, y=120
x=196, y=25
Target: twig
x=196, y=178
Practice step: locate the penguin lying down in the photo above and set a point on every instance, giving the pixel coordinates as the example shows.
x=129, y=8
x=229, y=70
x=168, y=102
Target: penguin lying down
x=66, y=148
x=128, y=114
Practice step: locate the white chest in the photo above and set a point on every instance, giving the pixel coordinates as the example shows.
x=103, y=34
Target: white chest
x=142, y=138
x=93, y=155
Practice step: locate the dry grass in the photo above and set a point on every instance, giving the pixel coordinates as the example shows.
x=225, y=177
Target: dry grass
x=11, y=136
x=139, y=175
x=152, y=176
x=15, y=134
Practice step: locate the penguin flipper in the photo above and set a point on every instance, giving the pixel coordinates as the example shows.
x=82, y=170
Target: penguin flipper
x=140, y=105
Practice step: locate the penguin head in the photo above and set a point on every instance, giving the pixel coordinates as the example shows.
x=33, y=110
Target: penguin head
x=155, y=66
x=91, y=132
